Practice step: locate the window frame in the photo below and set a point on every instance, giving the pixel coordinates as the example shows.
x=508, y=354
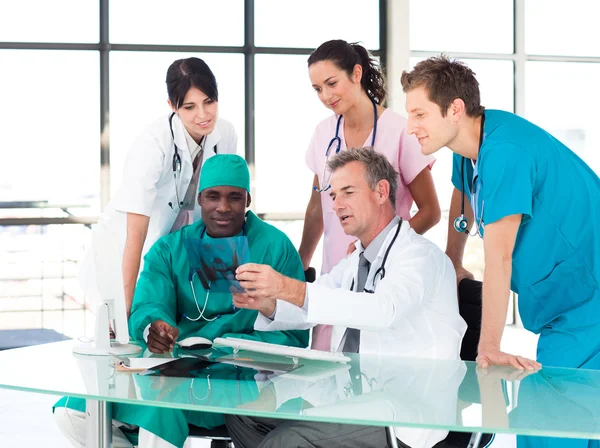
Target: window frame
x=519, y=57
x=249, y=50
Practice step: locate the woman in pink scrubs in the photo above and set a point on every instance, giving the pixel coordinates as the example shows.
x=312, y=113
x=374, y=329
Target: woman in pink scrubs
x=348, y=81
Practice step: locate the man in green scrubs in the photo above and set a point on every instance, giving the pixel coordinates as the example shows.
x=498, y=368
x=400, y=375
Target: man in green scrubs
x=165, y=310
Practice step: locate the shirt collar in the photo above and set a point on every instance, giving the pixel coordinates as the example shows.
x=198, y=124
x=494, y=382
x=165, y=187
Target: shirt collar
x=373, y=249
x=191, y=143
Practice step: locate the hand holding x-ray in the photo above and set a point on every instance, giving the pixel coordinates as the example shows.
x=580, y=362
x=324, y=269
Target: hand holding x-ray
x=263, y=287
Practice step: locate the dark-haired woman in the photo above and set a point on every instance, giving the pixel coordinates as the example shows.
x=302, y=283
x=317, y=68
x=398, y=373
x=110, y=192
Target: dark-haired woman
x=160, y=180
x=348, y=80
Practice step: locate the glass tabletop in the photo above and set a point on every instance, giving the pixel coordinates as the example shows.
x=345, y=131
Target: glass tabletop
x=370, y=390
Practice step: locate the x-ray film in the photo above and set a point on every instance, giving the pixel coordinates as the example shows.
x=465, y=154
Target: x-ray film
x=216, y=260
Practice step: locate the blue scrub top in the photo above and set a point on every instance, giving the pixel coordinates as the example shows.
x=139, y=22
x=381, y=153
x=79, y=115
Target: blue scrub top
x=556, y=261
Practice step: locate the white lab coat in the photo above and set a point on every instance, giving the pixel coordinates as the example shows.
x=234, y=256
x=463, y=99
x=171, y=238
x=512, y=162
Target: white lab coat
x=412, y=313
x=148, y=185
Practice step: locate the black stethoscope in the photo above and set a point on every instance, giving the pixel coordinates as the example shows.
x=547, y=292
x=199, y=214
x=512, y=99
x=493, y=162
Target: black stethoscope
x=337, y=142
x=381, y=271
x=461, y=224
x=177, y=161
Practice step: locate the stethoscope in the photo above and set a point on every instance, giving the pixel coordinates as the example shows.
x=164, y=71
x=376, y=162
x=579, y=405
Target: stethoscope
x=191, y=280
x=337, y=142
x=209, y=392
x=381, y=271
x=177, y=162
x=461, y=224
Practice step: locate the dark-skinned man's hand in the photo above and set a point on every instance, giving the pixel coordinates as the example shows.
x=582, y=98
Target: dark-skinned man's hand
x=162, y=337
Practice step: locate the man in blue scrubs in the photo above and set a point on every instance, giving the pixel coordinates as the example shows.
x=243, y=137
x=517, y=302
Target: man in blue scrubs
x=537, y=206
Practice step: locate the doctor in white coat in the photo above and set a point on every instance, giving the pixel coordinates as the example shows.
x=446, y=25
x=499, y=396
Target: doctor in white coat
x=162, y=169
x=395, y=295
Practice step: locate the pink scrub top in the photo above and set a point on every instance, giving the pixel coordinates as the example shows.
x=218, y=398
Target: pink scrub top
x=402, y=150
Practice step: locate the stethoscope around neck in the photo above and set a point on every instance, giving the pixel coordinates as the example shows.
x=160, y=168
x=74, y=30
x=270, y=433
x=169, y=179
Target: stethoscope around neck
x=337, y=142
x=176, y=164
x=191, y=280
x=461, y=224
x=381, y=271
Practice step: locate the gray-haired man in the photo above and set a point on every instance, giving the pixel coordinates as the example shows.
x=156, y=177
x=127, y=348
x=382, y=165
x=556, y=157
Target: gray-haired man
x=395, y=295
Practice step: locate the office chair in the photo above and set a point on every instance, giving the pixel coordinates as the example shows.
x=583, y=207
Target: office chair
x=219, y=436
x=310, y=275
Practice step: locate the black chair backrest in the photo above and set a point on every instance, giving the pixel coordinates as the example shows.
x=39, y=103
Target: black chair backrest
x=469, y=307
x=310, y=275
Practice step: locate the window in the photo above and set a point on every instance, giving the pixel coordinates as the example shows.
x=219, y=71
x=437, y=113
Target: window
x=560, y=93
x=44, y=21
x=50, y=114
x=287, y=112
x=555, y=27
x=177, y=22
x=309, y=23
x=562, y=98
x=134, y=78
x=467, y=26
x=287, y=109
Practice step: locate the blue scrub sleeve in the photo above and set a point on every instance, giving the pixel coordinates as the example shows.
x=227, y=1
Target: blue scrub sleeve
x=507, y=176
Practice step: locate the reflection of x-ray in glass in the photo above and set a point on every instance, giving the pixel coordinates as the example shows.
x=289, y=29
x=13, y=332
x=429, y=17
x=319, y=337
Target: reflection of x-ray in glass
x=220, y=368
x=215, y=261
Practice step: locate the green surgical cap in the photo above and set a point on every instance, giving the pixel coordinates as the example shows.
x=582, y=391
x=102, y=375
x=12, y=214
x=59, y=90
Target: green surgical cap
x=225, y=170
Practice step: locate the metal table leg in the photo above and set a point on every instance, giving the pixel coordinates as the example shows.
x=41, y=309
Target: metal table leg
x=391, y=437
x=475, y=440
x=98, y=424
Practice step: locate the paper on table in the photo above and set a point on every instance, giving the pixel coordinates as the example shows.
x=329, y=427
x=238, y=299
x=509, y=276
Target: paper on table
x=141, y=364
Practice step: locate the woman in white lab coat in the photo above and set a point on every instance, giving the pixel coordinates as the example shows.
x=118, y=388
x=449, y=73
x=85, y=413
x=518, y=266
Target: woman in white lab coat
x=160, y=180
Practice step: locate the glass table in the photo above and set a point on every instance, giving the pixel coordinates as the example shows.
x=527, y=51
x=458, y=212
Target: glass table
x=382, y=391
